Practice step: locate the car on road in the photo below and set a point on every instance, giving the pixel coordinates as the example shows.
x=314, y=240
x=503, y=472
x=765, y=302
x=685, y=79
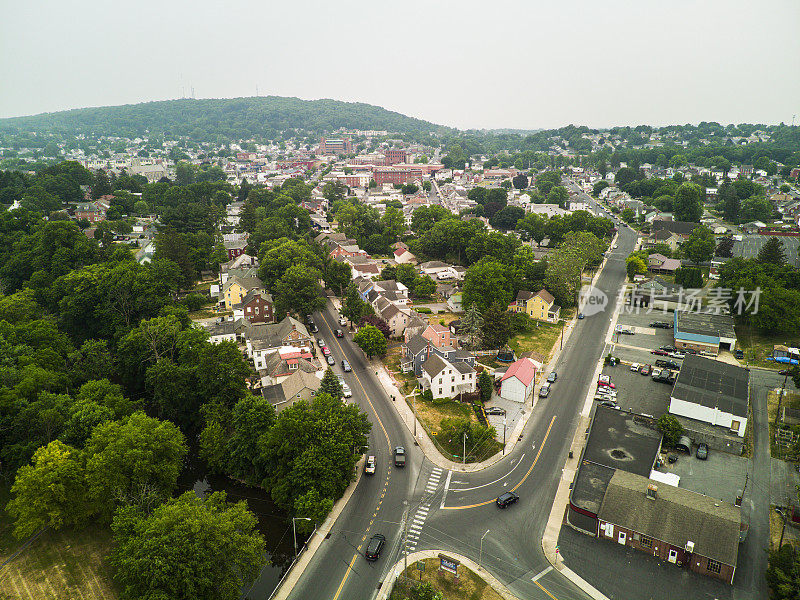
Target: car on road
x=369, y=466
x=785, y=372
x=321, y=343
x=346, y=391
x=702, y=451
x=645, y=369
x=580, y=315
x=339, y=333
x=659, y=352
x=495, y=410
x=660, y=325
x=326, y=351
x=551, y=378
x=374, y=547
x=330, y=360
x=544, y=391
x=346, y=366
x=312, y=327
x=399, y=456
x=342, y=321
x=634, y=366
x=615, y=246
x=506, y=499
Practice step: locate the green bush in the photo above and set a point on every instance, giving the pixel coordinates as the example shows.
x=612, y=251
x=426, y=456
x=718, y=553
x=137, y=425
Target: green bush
x=194, y=301
x=424, y=310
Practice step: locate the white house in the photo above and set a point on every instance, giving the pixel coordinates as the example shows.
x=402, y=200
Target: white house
x=713, y=392
x=517, y=383
x=445, y=379
x=221, y=332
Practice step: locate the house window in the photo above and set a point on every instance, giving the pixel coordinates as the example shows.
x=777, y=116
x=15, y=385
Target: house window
x=463, y=377
x=256, y=310
x=646, y=542
x=452, y=389
x=735, y=425
x=292, y=366
x=440, y=392
x=714, y=566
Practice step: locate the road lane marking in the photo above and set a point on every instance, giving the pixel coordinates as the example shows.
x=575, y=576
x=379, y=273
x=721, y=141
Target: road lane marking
x=541, y=587
x=491, y=482
x=514, y=489
x=542, y=574
x=349, y=568
x=446, y=487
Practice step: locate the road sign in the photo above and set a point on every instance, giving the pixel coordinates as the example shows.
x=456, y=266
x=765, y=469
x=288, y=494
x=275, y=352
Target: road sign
x=420, y=566
x=557, y=550
x=448, y=564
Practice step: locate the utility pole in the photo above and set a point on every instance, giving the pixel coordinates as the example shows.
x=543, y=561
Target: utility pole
x=504, y=435
x=464, y=457
x=414, y=410
x=780, y=400
x=405, y=536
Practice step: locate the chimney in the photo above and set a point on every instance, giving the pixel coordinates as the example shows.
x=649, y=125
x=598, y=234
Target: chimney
x=652, y=491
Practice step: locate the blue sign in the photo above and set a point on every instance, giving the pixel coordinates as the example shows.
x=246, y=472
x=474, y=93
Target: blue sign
x=448, y=564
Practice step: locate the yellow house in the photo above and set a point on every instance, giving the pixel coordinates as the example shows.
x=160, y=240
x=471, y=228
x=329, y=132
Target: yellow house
x=540, y=305
x=236, y=288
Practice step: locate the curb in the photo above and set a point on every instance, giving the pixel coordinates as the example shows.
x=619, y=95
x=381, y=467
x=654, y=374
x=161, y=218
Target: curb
x=397, y=570
x=297, y=569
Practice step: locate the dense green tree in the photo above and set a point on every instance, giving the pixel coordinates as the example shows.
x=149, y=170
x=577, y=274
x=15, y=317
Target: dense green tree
x=130, y=458
x=49, y=493
x=689, y=277
x=558, y=195
x=634, y=265
x=424, y=287
x=353, y=307
x=729, y=201
x=546, y=181
x=599, y=187
x=496, y=326
x=507, y=218
x=371, y=341
x=700, y=246
x=626, y=175
x=298, y=291
x=330, y=385
x=772, y=252
x=670, y=428
x=101, y=185
x=783, y=573
x=757, y=208
x=486, y=386
x=472, y=327
x=520, y=181
x=170, y=245
x=688, y=205
x=486, y=282
x=628, y=215
x=219, y=547
x=278, y=256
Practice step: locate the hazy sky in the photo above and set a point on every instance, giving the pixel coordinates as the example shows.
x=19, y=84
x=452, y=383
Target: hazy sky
x=517, y=64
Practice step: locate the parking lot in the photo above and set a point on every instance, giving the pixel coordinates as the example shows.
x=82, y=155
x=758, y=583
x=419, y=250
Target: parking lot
x=513, y=413
x=721, y=475
x=751, y=244
x=638, y=393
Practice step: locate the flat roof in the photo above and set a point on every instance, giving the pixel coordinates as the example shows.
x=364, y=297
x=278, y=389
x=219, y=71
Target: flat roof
x=713, y=384
x=618, y=439
x=705, y=324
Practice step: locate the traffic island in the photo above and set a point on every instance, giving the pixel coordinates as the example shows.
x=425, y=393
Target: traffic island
x=447, y=574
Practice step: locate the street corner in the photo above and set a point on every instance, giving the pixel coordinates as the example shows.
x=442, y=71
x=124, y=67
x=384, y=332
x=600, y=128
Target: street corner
x=592, y=300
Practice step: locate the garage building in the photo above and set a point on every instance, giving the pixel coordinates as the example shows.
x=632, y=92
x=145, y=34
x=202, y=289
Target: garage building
x=704, y=332
x=517, y=383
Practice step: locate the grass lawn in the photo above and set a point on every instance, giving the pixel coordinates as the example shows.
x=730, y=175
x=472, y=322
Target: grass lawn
x=469, y=587
x=757, y=347
x=539, y=339
x=446, y=317
x=61, y=565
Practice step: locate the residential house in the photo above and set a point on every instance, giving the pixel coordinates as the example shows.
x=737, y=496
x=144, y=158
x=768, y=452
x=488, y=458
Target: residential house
x=753, y=227
x=433, y=268
x=658, y=263
x=221, y=332
x=671, y=523
x=242, y=261
x=235, y=248
x=454, y=302
x=415, y=326
x=91, y=211
x=438, y=335
x=275, y=364
x=362, y=266
x=300, y=385
x=518, y=381
x=540, y=306
x=236, y=288
x=257, y=306
x=683, y=229
x=289, y=332
x=402, y=257
x=446, y=379
x=396, y=318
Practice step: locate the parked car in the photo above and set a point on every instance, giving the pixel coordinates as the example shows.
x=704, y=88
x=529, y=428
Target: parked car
x=342, y=321
x=608, y=385
x=330, y=360
x=312, y=327
x=689, y=351
x=610, y=403
x=785, y=372
x=374, y=547
x=645, y=369
x=551, y=378
x=702, y=451
x=339, y=333
x=326, y=351
x=544, y=391
x=625, y=330
x=346, y=391
x=369, y=466
x=668, y=348
x=580, y=315
x=634, y=366
x=738, y=353
x=399, y=456
x=321, y=343
x=677, y=354
x=603, y=379
x=346, y=366
x=507, y=499
x=659, y=352
x=660, y=325
x=495, y=410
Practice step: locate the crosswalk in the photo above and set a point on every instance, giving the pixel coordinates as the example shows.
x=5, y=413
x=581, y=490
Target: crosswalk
x=417, y=520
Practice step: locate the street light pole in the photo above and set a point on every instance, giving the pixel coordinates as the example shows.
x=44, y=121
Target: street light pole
x=504, y=435
x=783, y=529
x=414, y=410
x=480, y=556
x=294, y=530
x=464, y=456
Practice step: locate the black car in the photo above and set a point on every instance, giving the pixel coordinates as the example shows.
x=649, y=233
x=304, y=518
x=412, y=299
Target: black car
x=338, y=333
x=507, y=499
x=668, y=348
x=785, y=372
x=738, y=353
x=399, y=457
x=667, y=364
x=702, y=451
x=374, y=547
x=660, y=325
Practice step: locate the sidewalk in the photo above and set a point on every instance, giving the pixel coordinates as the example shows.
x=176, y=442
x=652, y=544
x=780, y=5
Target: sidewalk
x=398, y=567
x=296, y=570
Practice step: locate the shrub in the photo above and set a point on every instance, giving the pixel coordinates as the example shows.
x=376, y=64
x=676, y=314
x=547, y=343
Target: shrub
x=424, y=310
x=194, y=301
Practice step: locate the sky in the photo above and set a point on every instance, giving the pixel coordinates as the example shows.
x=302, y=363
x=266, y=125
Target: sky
x=524, y=64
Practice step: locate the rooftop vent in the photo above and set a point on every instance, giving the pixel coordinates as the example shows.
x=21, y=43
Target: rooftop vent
x=652, y=491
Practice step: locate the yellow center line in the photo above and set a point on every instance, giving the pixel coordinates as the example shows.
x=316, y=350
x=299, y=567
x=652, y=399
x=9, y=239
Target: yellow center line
x=388, y=472
x=541, y=587
x=535, y=460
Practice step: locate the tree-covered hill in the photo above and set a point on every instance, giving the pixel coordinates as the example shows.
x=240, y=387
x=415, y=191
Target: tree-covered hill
x=219, y=119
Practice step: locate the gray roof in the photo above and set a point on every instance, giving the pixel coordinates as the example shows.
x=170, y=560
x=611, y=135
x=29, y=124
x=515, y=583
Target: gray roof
x=434, y=365
x=224, y=328
x=252, y=294
x=462, y=367
x=416, y=344
x=675, y=516
x=705, y=324
x=273, y=333
x=298, y=381
x=389, y=312
x=617, y=440
x=713, y=384
x=679, y=227
x=274, y=394
x=247, y=283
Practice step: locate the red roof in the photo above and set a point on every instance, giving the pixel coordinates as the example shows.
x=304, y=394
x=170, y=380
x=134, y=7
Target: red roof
x=523, y=369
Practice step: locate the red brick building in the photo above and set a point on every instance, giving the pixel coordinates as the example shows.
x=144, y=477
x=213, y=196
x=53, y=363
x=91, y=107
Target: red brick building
x=257, y=307
x=91, y=211
x=335, y=146
x=404, y=173
x=394, y=156
x=235, y=249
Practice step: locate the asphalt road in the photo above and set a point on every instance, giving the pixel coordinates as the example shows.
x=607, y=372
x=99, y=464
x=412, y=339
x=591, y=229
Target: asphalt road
x=451, y=511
